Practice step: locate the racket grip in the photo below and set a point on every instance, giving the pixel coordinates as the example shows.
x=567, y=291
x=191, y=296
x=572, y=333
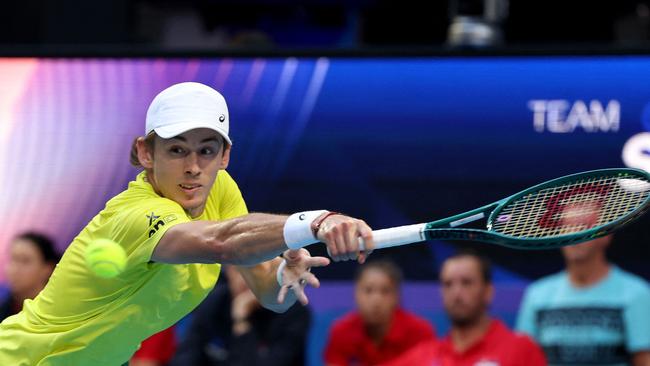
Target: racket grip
x=395, y=236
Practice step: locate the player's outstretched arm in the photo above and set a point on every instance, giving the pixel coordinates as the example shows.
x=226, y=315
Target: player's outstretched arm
x=245, y=240
x=257, y=237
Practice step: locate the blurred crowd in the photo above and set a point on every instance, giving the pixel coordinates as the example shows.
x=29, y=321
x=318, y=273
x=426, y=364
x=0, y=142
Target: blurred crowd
x=217, y=25
x=591, y=313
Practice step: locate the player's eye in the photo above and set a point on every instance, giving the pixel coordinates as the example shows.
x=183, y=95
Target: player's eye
x=207, y=151
x=176, y=150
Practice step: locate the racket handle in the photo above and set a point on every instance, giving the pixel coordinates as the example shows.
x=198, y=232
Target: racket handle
x=395, y=236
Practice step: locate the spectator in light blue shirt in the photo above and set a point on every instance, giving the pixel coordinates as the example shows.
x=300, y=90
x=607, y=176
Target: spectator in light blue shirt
x=593, y=313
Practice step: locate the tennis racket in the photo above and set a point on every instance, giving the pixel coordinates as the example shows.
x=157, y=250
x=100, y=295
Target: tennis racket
x=563, y=211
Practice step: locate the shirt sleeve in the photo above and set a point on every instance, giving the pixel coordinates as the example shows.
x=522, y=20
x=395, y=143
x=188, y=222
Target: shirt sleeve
x=526, y=316
x=637, y=321
x=140, y=228
x=231, y=203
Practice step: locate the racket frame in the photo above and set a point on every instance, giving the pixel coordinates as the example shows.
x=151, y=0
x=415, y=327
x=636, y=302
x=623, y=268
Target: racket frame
x=447, y=228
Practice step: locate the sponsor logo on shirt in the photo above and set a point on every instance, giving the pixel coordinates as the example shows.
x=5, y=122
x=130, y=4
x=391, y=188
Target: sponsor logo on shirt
x=155, y=222
x=152, y=218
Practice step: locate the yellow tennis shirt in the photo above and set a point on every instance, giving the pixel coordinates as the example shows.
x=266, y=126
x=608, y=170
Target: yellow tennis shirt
x=82, y=319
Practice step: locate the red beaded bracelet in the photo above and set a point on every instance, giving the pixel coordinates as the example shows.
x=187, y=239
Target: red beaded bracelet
x=315, y=225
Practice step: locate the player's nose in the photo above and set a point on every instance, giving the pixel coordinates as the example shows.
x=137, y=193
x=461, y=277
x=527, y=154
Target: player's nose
x=192, y=164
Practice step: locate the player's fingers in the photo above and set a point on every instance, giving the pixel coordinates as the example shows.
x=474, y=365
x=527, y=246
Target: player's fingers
x=300, y=294
x=317, y=262
x=365, y=233
x=311, y=280
x=330, y=242
x=351, y=241
x=340, y=244
x=350, y=246
x=362, y=258
x=282, y=294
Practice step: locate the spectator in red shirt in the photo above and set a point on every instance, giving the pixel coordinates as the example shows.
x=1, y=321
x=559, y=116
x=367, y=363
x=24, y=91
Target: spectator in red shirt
x=475, y=338
x=156, y=350
x=379, y=330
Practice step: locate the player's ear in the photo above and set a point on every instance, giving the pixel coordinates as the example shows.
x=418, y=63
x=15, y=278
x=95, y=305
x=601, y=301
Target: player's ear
x=145, y=153
x=226, y=156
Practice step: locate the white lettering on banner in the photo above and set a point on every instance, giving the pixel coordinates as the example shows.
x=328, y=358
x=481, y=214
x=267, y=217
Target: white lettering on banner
x=562, y=116
x=636, y=152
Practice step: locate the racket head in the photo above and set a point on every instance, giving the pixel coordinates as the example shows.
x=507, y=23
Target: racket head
x=571, y=209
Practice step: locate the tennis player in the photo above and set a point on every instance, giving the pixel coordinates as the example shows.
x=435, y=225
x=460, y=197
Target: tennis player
x=177, y=221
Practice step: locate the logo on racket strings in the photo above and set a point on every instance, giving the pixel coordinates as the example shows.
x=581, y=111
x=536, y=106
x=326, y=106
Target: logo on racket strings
x=564, y=209
x=504, y=218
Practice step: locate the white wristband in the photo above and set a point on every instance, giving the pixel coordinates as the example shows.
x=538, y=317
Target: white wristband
x=297, y=229
x=278, y=273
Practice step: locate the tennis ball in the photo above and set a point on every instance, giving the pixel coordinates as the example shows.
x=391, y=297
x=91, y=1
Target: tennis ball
x=105, y=258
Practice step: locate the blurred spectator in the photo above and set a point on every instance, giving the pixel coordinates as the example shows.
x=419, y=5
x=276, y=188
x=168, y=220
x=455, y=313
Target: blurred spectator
x=156, y=350
x=475, y=338
x=32, y=258
x=379, y=330
x=231, y=328
x=592, y=313
x=467, y=292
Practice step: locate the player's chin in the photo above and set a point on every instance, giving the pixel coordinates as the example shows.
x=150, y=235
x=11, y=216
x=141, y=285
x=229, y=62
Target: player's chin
x=192, y=203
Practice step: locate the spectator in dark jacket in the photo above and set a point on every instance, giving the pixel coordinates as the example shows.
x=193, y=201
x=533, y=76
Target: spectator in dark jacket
x=231, y=328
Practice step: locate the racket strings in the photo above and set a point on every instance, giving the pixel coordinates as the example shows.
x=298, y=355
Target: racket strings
x=572, y=207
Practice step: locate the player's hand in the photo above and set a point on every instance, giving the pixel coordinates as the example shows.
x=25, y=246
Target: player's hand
x=341, y=235
x=296, y=274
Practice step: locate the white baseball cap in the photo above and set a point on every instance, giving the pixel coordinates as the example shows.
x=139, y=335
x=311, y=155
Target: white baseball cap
x=186, y=106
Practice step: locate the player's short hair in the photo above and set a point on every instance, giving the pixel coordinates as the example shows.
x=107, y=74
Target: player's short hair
x=43, y=243
x=385, y=266
x=484, y=264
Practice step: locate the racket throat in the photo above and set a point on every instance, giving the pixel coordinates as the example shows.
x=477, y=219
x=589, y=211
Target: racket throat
x=468, y=219
x=464, y=218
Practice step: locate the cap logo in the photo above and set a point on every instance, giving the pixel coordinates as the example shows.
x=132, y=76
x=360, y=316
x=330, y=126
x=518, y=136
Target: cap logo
x=222, y=118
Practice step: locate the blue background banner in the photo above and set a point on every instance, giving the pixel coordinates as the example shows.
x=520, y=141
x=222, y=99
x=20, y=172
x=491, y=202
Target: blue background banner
x=391, y=140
